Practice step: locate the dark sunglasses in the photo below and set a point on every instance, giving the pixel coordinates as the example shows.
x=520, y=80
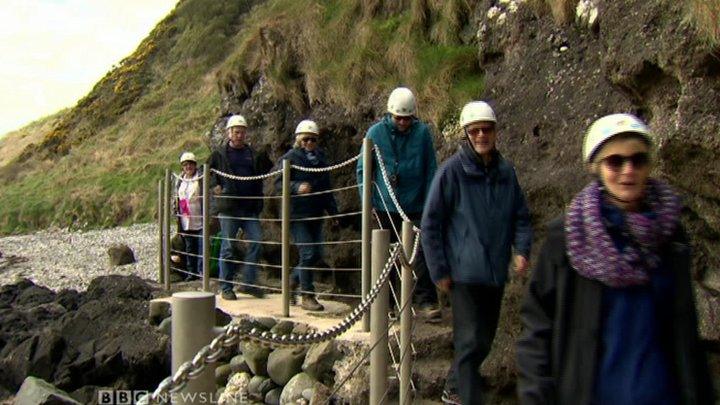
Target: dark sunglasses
x=476, y=131
x=309, y=139
x=616, y=162
x=400, y=118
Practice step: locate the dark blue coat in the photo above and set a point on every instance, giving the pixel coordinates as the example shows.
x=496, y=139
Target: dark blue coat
x=473, y=217
x=315, y=205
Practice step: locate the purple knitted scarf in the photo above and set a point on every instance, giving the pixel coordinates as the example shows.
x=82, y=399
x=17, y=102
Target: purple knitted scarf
x=593, y=253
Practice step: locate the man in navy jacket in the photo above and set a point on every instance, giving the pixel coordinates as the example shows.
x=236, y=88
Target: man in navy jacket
x=474, y=216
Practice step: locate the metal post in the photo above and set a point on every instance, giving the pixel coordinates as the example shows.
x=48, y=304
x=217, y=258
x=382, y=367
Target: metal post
x=366, y=221
x=206, y=228
x=193, y=322
x=406, y=315
x=286, y=238
x=161, y=234
x=379, y=319
x=166, y=223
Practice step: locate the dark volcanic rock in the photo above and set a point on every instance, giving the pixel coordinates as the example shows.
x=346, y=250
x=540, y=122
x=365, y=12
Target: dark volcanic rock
x=120, y=254
x=97, y=338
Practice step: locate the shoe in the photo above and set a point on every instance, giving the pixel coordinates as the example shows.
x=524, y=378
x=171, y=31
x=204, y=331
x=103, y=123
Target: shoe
x=309, y=303
x=450, y=397
x=293, y=296
x=228, y=295
x=254, y=291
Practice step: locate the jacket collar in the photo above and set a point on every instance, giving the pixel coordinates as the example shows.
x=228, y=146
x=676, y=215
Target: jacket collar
x=473, y=165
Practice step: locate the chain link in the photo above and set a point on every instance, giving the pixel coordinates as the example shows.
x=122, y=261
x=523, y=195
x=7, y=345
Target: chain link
x=390, y=190
x=326, y=169
x=246, y=178
x=235, y=332
x=196, y=178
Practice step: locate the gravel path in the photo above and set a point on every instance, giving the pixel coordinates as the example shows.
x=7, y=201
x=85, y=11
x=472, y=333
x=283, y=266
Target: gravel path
x=58, y=258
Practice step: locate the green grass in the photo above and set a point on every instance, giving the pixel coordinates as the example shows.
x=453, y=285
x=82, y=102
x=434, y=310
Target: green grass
x=99, y=165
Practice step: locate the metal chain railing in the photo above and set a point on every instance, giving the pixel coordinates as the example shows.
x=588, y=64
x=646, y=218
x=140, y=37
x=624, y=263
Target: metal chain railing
x=247, y=178
x=328, y=168
x=236, y=332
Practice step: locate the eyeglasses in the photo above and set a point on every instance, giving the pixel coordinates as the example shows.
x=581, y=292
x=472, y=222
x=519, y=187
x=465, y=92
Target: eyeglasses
x=617, y=162
x=477, y=130
x=400, y=118
x=309, y=139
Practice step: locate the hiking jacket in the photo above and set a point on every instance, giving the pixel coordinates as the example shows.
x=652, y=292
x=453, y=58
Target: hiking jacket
x=197, y=197
x=558, y=348
x=473, y=218
x=409, y=157
x=238, y=207
x=311, y=206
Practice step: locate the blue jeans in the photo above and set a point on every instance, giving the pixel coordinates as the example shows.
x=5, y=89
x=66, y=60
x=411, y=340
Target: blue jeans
x=194, y=246
x=310, y=255
x=251, y=231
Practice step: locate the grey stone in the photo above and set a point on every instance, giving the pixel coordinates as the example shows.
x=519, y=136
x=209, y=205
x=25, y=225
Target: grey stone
x=273, y=396
x=320, y=360
x=238, y=364
x=256, y=357
x=120, y=254
x=259, y=386
x=35, y=391
x=221, y=318
x=301, y=329
x=236, y=390
x=222, y=373
x=308, y=393
x=283, y=328
x=295, y=387
x=267, y=322
x=284, y=363
x=165, y=326
x=159, y=310
x=320, y=394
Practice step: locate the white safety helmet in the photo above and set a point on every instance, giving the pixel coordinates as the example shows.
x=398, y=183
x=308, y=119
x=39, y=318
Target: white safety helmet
x=187, y=157
x=307, y=127
x=476, y=111
x=401, y=102
x=609, y=126
x=236, y=121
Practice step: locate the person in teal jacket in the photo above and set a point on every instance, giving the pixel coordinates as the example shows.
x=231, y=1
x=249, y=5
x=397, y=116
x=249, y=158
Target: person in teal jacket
x=406, y=146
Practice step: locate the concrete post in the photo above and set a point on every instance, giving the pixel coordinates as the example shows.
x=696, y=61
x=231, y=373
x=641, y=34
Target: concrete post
x=161, y=237
x=285, y=255
x=193, y=322
x=166, y=220
x=206, y=228
x=366, y=223
x=379, y=319
x=406, y=318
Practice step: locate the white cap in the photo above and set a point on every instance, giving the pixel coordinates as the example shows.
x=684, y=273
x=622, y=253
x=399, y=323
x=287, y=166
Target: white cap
x=476, y=111
x=307, y=127
x=236, y=121
x=401, y=102
x=609, y=126
x=187, y=157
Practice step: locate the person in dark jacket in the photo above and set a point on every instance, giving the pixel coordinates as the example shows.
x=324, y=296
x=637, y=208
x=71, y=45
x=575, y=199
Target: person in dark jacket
x=474, y=215
x=307, y=233
x=188, y=189
x=406, y=146
x=609, y=316
x=237, y=204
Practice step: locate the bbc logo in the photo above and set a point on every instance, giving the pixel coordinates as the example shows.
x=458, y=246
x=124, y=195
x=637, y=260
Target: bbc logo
x=120, y=397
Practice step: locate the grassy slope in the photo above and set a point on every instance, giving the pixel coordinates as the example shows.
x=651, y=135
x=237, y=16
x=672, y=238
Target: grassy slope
x=98, y=163
x=13, y=143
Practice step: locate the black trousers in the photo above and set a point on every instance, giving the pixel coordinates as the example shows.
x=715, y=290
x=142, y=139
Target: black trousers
x=425, y=292
x=476, y=311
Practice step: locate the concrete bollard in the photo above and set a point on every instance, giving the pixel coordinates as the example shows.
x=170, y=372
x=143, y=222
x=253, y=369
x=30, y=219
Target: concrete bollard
x=379, y=319
x=193, y=326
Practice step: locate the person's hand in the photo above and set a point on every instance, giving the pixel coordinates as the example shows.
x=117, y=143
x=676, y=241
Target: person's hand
x=444, y=284
x=304, y=188
x=217, y=190
x=521, y=265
